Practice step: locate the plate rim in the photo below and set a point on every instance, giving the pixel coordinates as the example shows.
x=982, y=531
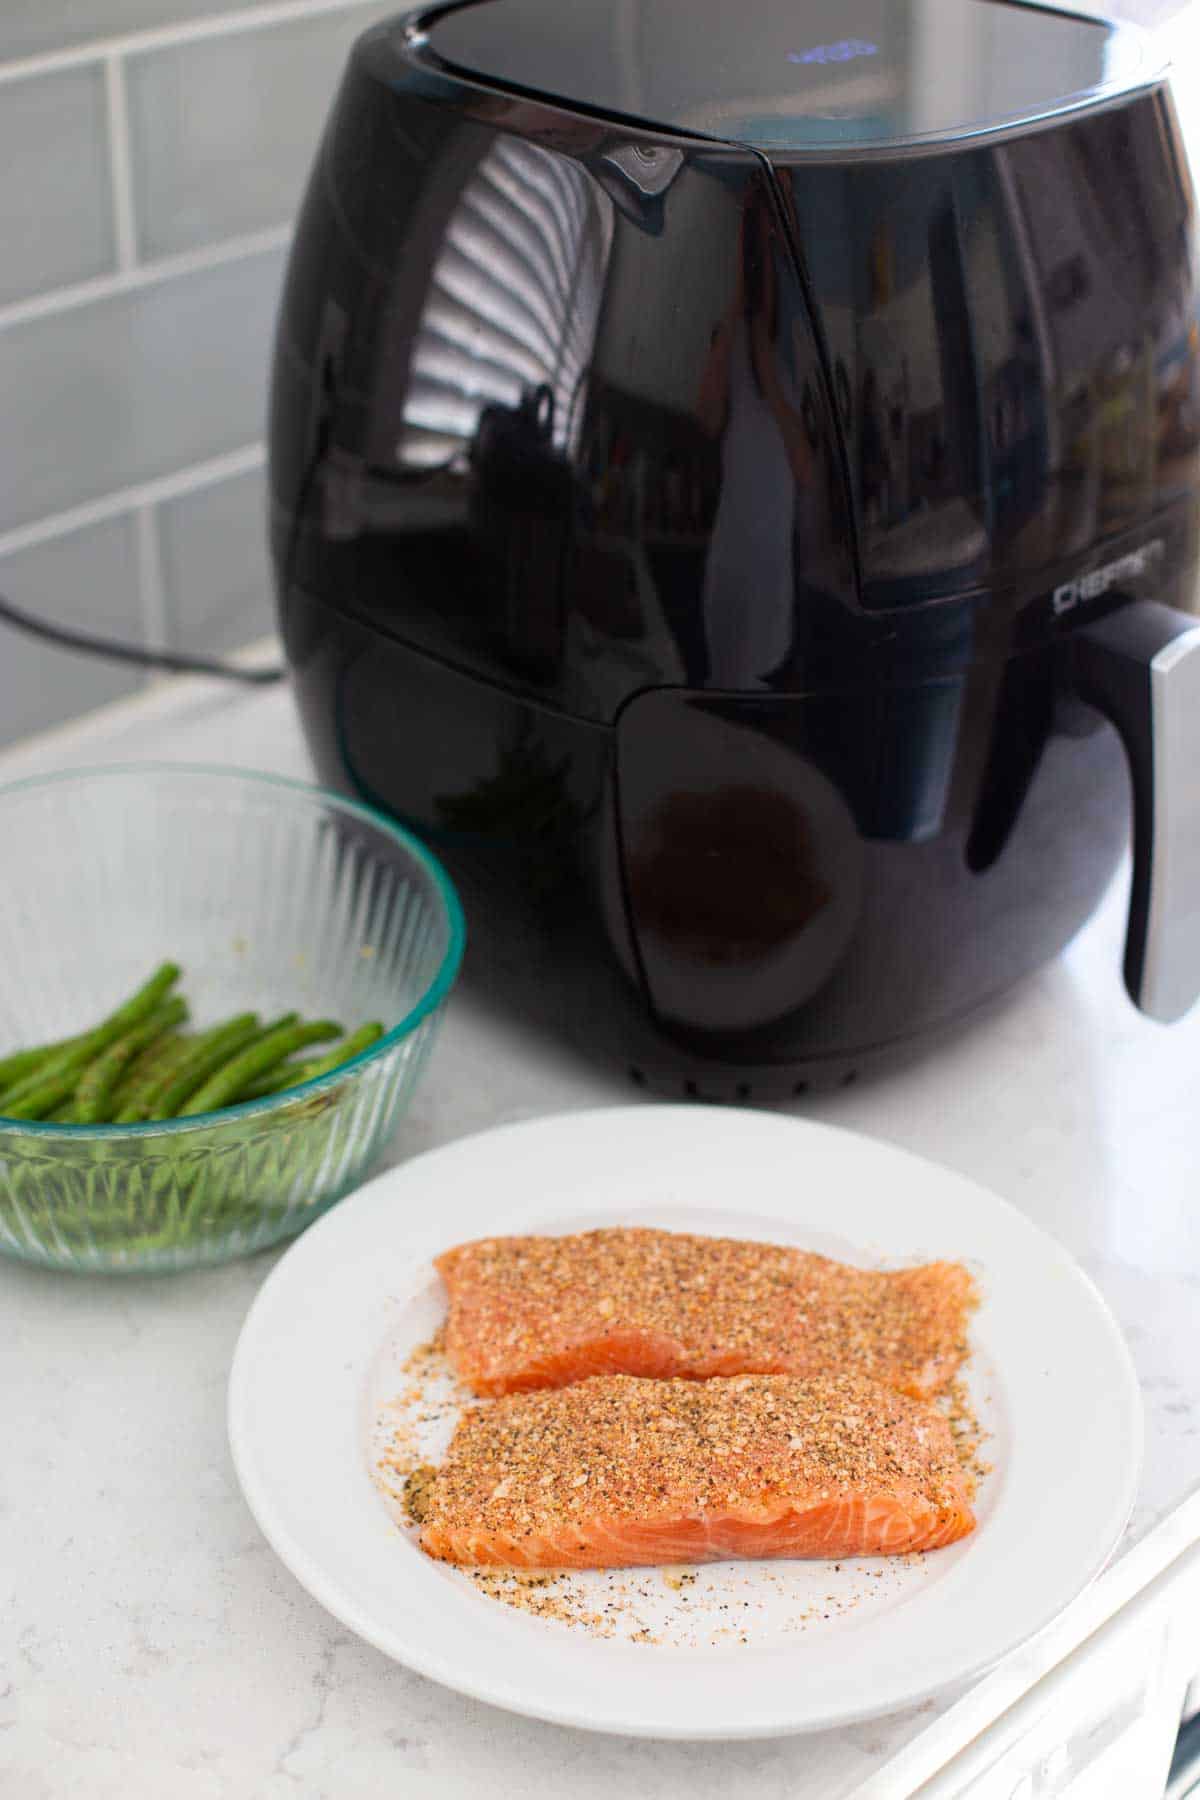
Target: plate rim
x=496, y=1688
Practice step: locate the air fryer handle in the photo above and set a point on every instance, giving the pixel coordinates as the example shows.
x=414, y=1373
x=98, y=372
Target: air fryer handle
x=1140, y=665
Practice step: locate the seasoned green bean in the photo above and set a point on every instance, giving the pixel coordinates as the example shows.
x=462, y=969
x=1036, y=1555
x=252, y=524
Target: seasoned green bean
x=50, y=1085
x=288, y=1075
x=271, y=1049
x=93, y=1095
x=148, y=1065
x=21, y=1063
x=50, y=1090
x=293, y=1073
x=161, y=1099
x=354, y=1045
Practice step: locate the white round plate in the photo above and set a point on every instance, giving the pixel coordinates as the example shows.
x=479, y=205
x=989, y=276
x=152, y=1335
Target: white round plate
x=746, y=1649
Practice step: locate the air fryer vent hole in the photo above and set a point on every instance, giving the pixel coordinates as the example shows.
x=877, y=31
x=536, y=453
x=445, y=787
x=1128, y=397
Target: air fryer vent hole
x=849, y=1078
x=691, y=1090
x=801, y=1087
x=638, y=1076
x=743, y=1090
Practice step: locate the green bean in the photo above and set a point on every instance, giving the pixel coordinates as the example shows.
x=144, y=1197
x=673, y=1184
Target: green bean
x=161, y=1098
x=48, y=1086
x=43, y=1094
x=93, y=1096
x=148, y=1065
x=274, y=1082
x=222, y=1043
x=21, y=1063
x=75, y=1053
x=293, y=1073
x=152, y=1048
x=272, y=1048
x=14, y=1068
x=359, y=1040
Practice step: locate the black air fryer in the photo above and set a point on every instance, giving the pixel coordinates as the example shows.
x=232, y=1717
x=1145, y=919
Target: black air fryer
x=734, y=477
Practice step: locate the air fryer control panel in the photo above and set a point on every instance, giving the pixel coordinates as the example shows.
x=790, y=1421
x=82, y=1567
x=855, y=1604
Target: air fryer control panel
x=833, y=75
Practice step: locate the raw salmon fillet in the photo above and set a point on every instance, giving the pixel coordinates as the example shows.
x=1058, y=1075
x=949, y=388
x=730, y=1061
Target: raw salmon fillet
x=532, y=1312
x=616, y=1471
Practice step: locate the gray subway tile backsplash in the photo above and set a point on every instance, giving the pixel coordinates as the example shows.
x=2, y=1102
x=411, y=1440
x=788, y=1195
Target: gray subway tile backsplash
x=223, y=130
x=102, y=396
x=87, y=579
x=31, y=27
x=55, y=204
x=214, y=557
x=148, y=374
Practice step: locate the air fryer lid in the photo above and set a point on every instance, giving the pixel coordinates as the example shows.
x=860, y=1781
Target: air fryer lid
x=797, y=74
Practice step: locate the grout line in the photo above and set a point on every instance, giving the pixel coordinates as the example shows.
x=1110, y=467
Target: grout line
x=191, y=698
x=151, y=586
x=119, y=166
x=129, y=280
x=164, y=37
x=191, y=480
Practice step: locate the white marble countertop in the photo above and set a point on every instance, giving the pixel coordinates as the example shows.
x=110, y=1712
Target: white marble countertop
x=152, y=1646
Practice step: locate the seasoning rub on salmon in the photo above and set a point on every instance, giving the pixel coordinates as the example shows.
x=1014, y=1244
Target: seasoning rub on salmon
x=616, y=1471
x=532, y=1312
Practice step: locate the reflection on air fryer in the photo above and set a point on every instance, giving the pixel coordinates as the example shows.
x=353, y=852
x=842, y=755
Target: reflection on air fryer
x=1014, y=345
x=510, y=308
x=725, y=876
x=743, y=863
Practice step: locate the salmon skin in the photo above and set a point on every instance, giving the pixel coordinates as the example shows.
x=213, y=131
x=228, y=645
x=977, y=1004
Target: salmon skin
x=616, y=1471
x=533, y=1312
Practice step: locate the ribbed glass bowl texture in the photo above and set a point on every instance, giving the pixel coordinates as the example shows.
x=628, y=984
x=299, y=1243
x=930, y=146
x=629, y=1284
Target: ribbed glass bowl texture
x=273, y=897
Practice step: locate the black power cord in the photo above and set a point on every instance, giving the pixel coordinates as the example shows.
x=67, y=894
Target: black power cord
x=173, y=660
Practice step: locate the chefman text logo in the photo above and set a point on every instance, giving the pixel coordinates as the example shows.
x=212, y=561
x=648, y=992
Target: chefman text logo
x=1130, y=567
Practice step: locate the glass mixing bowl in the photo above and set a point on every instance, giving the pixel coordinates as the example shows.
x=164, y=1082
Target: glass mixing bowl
x=273, y=896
